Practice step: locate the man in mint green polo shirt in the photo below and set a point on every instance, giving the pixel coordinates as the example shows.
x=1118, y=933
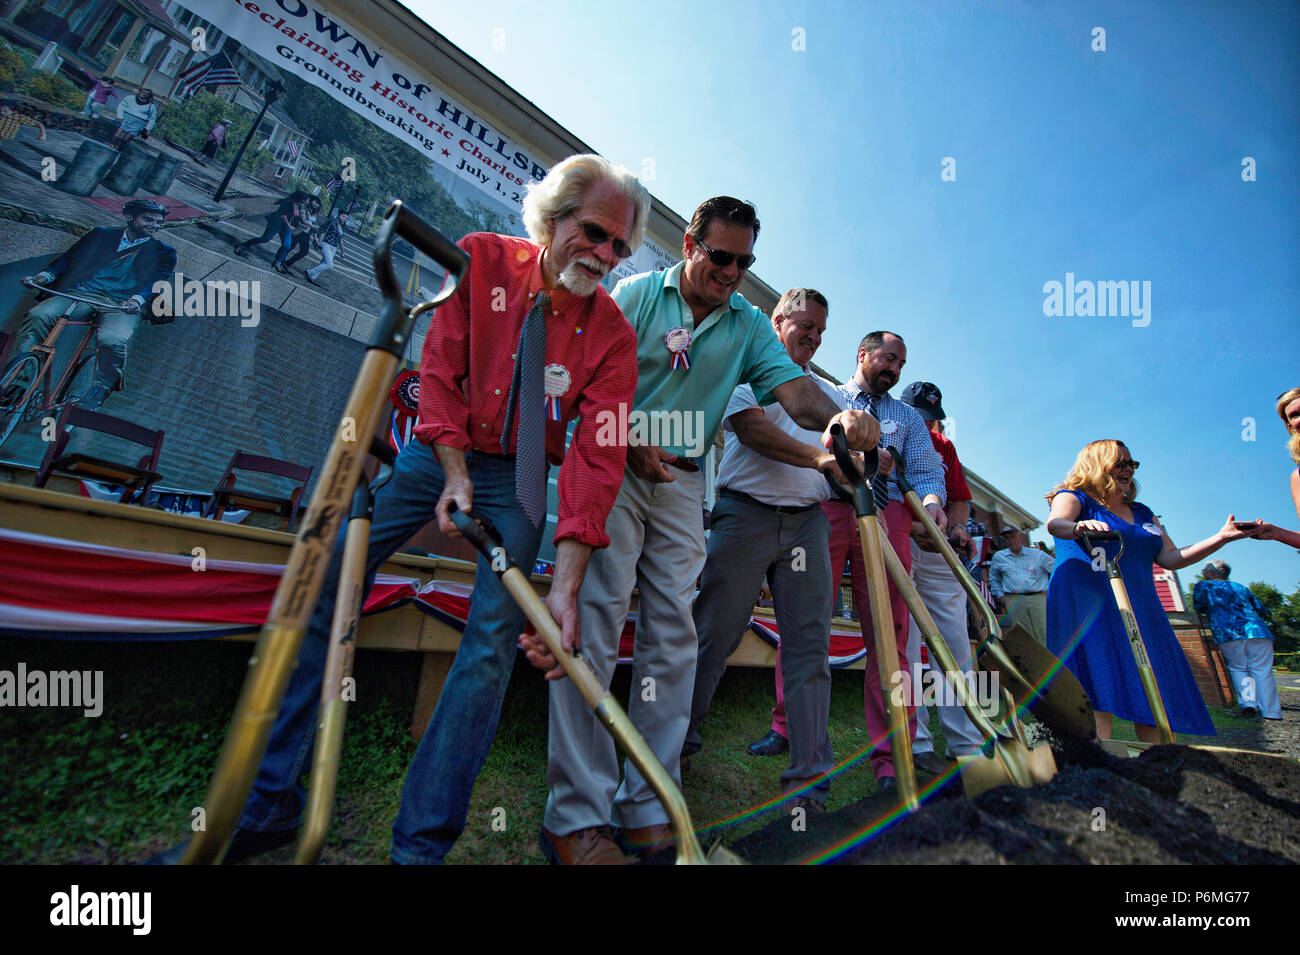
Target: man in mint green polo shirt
x=697, y=339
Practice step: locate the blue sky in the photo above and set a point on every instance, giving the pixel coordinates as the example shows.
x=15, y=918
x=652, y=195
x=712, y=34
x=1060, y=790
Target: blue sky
x=1122, y=165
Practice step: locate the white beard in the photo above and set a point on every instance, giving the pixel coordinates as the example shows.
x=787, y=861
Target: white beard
x=578, y=281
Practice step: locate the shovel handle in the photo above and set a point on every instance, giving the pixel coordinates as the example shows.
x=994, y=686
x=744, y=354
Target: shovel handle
x=860, y=496
x=479, y=531
x=393, y=329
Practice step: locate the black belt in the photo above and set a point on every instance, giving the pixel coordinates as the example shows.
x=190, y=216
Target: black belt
x=779, y=508
x=1023, y=593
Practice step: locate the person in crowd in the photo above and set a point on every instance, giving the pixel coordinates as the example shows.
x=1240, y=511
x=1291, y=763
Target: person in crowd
x=136, y=116
x=301, y=229
x=1288, y=409
x=1084, y=627
x=768, y=525
x=487, y=448
x=216, y=139
x=881, y=357
x=1018, y=577
x=101, y=94
x=697, y=339
x=331, y=244
x=279, y=223
x=118, y=265
x=941, y=591
x=1237, y=620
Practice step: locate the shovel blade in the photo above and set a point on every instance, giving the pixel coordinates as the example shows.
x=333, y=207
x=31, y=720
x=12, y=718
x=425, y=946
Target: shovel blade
x=981, y=773
x=1042, y=764
x=1060, y=701
x=721, y=855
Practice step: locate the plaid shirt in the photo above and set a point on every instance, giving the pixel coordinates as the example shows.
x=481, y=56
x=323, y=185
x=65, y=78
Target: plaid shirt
x=910, y=436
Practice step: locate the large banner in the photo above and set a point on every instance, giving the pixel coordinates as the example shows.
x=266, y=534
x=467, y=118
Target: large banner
x=332, y=53
x=212, y=174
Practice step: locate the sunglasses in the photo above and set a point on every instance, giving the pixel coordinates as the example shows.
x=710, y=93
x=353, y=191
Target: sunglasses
x=1128, y=463
x=723, y=259
x=598, y=236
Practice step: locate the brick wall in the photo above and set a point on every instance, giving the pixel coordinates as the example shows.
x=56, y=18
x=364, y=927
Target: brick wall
x=1205, y=659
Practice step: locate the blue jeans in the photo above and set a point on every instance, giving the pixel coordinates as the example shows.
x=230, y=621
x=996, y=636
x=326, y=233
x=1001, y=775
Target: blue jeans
x=435, y=798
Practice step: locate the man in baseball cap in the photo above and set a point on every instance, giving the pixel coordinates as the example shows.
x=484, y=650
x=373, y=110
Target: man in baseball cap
x=926, y=398
x=940, y=590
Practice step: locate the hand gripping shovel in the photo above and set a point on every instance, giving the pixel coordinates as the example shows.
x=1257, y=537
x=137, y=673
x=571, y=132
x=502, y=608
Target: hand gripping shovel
x=281, y=637
x=338, y=663
x=1135, y=641
x=1012, y=761
x=1035, y=676
x=864, y=505
x=479, y=531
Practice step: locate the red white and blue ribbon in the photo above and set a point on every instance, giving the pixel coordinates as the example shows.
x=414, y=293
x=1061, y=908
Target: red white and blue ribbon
x=677, y=341
x=556, y=381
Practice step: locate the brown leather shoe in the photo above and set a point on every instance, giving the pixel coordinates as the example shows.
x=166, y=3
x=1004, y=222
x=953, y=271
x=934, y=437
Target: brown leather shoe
x=592, y=846
x=647, y=840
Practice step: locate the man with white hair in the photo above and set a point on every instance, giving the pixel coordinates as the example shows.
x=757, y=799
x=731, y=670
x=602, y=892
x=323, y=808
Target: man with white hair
x=1237, y=622
x=529, y=342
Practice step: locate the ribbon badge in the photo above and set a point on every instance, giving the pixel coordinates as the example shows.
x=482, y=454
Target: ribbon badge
x=556, y=380
x=678, y=340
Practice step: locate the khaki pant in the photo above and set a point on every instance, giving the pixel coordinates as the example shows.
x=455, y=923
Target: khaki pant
x=1028, y=610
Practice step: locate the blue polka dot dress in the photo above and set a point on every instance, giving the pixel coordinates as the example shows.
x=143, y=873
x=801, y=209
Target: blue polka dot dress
x=1085, y=630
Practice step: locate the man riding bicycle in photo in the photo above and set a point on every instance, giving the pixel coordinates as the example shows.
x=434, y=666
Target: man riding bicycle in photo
x=117, y=265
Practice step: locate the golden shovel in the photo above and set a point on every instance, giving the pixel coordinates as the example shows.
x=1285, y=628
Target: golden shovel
x=1035, y=676
x=1138, y=646
x=1012, y=761
x=333, y=711
x=487, y=541
x=873, y=546
x=277, y=646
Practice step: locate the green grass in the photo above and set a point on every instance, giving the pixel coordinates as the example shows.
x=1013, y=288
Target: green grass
x=122, y=786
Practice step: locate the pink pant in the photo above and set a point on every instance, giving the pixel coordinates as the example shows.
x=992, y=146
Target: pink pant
x=846, y=543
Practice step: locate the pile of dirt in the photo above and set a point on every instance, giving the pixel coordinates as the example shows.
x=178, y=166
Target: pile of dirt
x=1173, y=804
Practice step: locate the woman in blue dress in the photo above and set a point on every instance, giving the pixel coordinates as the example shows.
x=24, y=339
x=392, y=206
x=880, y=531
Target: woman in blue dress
x=1083, y=623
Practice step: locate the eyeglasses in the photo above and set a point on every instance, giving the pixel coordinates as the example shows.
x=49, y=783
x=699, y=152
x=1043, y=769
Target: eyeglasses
x=1128, y=463
x=723, y=259
x=598, y=236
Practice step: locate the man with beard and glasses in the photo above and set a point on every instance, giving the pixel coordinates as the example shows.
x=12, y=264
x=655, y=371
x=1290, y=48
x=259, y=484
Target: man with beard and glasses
x=528, y=343
x=881, y=357
x=697, y=339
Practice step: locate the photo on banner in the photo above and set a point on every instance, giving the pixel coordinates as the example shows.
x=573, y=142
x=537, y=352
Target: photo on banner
x=271, y=138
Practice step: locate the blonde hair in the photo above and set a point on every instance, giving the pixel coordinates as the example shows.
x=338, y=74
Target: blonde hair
x=1293, y=443
x=564, y=188
x=1091, y=473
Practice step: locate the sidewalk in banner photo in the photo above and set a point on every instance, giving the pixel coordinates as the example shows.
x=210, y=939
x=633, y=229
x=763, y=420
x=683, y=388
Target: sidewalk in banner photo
x=50, y=220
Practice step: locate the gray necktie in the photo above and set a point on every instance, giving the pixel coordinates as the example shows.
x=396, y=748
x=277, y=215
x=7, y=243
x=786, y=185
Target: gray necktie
x=528, y=397
x=880, y=483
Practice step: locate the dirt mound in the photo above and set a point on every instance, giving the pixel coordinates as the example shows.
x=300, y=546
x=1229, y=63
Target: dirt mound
x=1174, y=804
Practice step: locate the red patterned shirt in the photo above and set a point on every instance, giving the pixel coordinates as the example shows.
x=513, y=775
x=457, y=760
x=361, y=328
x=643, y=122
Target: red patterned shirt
x=469, y=361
